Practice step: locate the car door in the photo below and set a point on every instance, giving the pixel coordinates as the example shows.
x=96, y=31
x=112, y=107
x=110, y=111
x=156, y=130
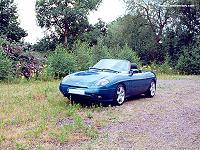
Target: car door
x=137, y=83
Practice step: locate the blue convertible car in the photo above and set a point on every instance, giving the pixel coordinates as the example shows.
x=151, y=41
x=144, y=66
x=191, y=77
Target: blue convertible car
x=110, y=80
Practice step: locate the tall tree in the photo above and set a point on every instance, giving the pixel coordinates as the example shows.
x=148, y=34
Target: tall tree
x=188, y=20
x=68, y=18
x=9, y=26
x=94, y=32
x=155, y=11
x=184, y=31
x=135, y=31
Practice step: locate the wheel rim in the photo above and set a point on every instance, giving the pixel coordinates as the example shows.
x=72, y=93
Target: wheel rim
x=153, y=88
x=120, y=94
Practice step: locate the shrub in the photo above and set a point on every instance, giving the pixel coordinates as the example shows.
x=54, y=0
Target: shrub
x=84, y=55
x=61, y=62
x=46, y=74
x=3, y=41
x=128, y=54
x=5, y=66
x=189, y=62
x=27, y=62
x=100, y=51
x=165, y=68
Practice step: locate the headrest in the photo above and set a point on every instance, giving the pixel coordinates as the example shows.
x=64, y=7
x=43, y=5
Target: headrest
x=134, y=66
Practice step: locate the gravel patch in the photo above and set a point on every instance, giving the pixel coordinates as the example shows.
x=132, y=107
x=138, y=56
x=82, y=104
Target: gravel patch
x=170, y=120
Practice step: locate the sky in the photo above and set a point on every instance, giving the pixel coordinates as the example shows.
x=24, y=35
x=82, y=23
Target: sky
x=108, y=11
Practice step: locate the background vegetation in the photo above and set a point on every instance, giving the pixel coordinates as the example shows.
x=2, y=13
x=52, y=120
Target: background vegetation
x=158, y=35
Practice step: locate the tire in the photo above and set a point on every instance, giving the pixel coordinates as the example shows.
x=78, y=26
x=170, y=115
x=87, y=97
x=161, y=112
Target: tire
x=120, y=95
x=152, y=90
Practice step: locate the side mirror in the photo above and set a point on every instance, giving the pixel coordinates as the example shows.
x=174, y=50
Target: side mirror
x=133, y=71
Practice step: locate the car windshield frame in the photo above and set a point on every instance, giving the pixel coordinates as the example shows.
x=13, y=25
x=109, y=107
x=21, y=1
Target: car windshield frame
x=114, y=65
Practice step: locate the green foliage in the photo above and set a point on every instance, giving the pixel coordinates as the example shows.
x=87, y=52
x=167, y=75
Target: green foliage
x=46, y=74
x=27, y=62
x=134, y=31
x=2, y=138
x=3, y=41
x=187, y=20
x=101, y=51
x=9, y=25
x=61, y=62
x=47, y=43
x=189, y=62
x=128, y=54
x=164, y=68
x=68, y=18
x=83, y=54
x=5, y=66
x=94, y=32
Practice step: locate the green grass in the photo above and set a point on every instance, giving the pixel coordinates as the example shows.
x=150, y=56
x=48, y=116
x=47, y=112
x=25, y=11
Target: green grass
x=177, y=77
x=32, y=112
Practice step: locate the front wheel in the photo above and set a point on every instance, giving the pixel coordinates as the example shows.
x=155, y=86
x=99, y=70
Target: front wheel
x=120, y=95
x=152, y=89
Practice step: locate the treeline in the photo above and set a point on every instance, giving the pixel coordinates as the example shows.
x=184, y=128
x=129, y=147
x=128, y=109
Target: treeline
x=159, y=33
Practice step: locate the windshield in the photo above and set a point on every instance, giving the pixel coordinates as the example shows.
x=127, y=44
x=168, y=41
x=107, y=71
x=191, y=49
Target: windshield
x=113, y=64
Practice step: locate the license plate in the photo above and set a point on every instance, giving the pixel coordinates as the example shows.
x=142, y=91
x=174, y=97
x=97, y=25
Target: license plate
x=76, y=91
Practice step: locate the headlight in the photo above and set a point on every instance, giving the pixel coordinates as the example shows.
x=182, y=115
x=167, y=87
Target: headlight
x=102, y=82
x=65, y=79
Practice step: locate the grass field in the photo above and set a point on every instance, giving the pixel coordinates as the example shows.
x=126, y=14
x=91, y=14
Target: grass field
x=32, y=112
x=34, y=115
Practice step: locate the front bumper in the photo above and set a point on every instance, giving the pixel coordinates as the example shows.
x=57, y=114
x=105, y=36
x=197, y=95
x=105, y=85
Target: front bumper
x=90, y=94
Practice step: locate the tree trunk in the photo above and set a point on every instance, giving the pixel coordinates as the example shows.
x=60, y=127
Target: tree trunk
x=65, y=36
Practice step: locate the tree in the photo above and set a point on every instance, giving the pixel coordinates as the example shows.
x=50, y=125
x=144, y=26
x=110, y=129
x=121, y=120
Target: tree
x=184, y=29
x=9, y=26
x=68, y=18
x=189, y=61
x=156, y=13
x=134, y=31
x=47, y=43
x=187, y=20
x=94, y=32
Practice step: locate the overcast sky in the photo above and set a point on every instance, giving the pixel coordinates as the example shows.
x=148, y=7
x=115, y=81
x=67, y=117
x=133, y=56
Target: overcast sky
x=108, y=11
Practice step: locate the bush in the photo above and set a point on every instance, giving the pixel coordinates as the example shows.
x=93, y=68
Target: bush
x=5, y=66
x=100, y=51
x=164, y=68
x=84, y=55
x=3, y=41
x=189, y=62
x=61, y=62
x=128, y=54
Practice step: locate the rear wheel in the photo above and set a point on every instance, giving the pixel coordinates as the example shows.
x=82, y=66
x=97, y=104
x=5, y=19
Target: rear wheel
x=120, y=95
x=152, y=89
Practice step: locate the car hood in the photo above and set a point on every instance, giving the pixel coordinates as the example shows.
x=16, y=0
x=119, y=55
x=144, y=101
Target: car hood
x=86, y=78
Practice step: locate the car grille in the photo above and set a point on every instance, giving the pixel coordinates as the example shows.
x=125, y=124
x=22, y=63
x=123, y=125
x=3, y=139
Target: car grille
x=79, y=87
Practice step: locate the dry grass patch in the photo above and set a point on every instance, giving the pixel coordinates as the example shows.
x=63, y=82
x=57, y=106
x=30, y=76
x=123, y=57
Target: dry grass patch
x=30, y=112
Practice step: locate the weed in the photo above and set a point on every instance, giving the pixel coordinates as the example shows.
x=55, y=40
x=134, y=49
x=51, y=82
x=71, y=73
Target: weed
x=37, y=131
x=89, y=115
x=99, y=108
x=2, y=138
x=78, y=122
x=38, y=147
x=19, y=146
x=92, y=132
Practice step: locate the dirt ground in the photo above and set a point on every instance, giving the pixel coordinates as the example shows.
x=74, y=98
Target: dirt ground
x=170, y=120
